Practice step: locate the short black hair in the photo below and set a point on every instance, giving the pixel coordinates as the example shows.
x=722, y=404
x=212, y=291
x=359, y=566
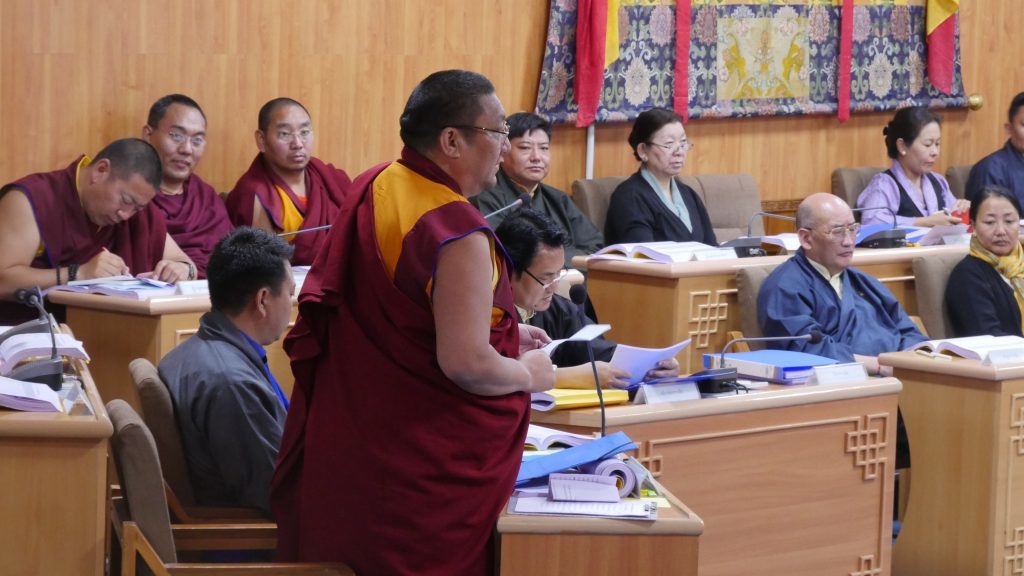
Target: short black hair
x=523, y=233
x=990, y=191
x=522, y=123
x=649, y=122
x=907, y=125
x=444, y=99
x=263, y=121
x=131, y=156
x=242, y=263
x=1015, y=105
x=159, y=108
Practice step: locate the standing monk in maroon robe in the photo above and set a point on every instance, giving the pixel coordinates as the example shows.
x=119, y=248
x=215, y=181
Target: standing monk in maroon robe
x=286, y=189
x=89, y=220
x=412, y=375
x=195, y=215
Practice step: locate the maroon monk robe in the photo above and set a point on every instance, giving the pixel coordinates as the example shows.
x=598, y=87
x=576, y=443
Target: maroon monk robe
x=71, y=238
x=326, y=187
x=196, y=219
x=385, y=463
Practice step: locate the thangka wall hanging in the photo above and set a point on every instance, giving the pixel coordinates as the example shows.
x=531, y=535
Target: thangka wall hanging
x=609, y=60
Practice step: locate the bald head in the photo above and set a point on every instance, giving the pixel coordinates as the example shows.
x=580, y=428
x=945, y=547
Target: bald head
x=825, y=226
x=821, y=207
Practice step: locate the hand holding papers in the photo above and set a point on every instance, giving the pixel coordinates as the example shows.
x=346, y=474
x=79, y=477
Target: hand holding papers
x=639, y=361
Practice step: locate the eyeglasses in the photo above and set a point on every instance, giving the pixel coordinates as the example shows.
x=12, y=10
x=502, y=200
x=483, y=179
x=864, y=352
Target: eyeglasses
x=505, y=129
x=284, y=136
x=180, y=138
x=837, y=232
x=545, y=285
x=673, y=147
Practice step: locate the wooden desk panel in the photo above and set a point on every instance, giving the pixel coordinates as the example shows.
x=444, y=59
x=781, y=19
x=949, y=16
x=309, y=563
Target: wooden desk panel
x=655, y=305
x=116, y=331
x=53, y=487
x=577, y=546
x=965, y=423
x=795, y=481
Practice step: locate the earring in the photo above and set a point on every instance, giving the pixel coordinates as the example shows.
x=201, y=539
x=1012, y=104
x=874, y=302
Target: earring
x=643, y=158
x=903, y=152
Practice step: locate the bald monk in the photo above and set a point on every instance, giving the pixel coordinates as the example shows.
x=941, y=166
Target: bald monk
x=89, y=220
x=286, y=189
x=195, y=215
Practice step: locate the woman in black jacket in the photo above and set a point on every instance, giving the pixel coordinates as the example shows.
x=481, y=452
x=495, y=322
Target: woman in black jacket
x=652, y=205
x=985, y=293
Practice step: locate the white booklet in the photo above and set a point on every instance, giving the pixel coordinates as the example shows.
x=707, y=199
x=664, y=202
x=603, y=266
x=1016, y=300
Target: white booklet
x=639, y=361
x=585, y=334
x=24, y=346
x=28, y=396
x=663, y=252
x=989, y=349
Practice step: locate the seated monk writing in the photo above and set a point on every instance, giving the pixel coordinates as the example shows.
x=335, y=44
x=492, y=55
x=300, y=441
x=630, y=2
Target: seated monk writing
x=89, y=220
x=286, y=189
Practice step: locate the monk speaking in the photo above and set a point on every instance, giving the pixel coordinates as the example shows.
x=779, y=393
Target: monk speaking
x=286, y=189
x=195, y=215
x=412, y=374
x=90, y=220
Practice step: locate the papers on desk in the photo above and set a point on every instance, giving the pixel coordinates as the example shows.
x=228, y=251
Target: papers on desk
x=119, y=286
x=28, y=396
x=641, y=509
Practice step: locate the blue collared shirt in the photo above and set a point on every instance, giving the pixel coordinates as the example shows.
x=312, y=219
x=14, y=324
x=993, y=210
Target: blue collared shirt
x=262, y=353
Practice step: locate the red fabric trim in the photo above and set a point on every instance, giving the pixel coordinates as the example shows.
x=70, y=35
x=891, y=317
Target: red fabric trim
x=941, y=55
x=845, y=58
x=591, y=21
x=681, y=84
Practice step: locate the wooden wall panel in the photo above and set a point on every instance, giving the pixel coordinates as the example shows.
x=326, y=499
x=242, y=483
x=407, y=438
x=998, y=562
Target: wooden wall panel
x=75, y=75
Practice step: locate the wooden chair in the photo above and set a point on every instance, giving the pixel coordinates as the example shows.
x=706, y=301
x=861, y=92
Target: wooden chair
x=142, y=523
x=158, y=413
x=848, y=183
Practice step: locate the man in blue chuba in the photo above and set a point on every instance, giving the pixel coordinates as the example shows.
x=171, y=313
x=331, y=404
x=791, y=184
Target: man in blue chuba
x=818, y=290
x=1004, y=167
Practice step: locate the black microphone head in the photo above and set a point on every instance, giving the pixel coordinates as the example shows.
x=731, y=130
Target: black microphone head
x=525, y=200
x=28, y=296
x=815, y=336
x=578, y=294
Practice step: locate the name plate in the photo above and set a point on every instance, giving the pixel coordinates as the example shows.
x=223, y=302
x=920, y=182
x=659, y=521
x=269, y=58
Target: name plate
x=192, y=288
x=718, y=254
x=662, y=393
x=838, y=374
x=1004, y=356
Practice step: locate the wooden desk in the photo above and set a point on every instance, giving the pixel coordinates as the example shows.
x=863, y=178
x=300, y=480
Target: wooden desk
x=118, y=330
x=794, y=480
x=53, y=488
x=567, y=546
x=965, y=422
x=656, y=305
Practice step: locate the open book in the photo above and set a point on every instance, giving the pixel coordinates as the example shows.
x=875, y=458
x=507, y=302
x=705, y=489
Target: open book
x=985, y=348
x=120, y=286
x=27, y=396
x=542, y=438
x=25, y=346
x=664, y=252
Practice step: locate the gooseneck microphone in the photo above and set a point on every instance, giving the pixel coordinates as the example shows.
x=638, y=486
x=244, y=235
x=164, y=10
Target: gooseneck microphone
x=889, y=238
x=303, y=231
x=722, y=379
x=578, y=296
x=49, y=371
x=522, y=200
x=750, y=245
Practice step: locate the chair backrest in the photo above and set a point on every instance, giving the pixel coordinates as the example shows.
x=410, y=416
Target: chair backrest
x=931, y=275
x=142, y=480
x=158, y=412
x=748, y=284
x=848, y=183
x=592, y=197
x=957, y=178
x=730, y=200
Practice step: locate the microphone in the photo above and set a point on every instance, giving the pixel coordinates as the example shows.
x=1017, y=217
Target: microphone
x=303, y=231
x=750, y=245
x=722, y=379
x=578, y=296
x=49, y=371
x=523, y=200
x=891, y=238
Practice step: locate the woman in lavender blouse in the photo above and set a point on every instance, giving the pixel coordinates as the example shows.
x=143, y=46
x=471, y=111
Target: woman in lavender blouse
x=909, y=188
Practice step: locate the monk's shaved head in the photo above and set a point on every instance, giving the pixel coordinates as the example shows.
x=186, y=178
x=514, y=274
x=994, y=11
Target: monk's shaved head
x=268, y=109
